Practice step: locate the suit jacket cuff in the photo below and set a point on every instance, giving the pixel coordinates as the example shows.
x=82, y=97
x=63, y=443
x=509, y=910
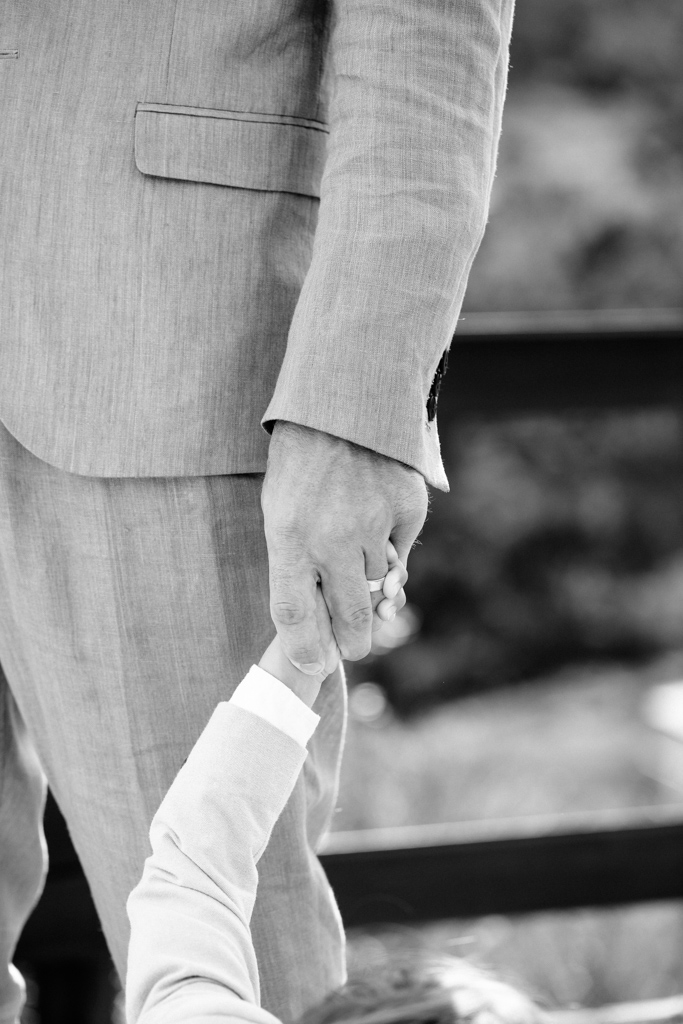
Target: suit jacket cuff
x=415, y=442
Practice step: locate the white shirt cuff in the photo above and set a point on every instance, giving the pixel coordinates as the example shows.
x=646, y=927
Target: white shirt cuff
x=267, y=697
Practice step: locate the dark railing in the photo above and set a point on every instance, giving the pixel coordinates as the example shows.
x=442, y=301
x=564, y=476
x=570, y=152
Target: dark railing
x=500, y=364
x=514, y=363
x=507, y=867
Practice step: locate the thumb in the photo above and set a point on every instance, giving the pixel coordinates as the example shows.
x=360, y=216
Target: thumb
x=403, y=536
x=409, y=518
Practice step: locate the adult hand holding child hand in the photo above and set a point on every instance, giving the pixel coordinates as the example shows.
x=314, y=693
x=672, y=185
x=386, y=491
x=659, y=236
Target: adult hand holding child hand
x=329, y=508
x=387, y=601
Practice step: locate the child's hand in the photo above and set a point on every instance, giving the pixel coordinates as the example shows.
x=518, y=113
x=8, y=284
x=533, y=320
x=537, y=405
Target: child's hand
x=386, y=603
x=392, y=596
x=278, y=664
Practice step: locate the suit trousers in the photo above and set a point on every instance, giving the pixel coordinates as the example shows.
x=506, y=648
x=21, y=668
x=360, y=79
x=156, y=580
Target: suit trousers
x=129, y=607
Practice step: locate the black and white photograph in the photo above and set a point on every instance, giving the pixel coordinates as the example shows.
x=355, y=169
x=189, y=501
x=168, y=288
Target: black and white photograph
x=341, y=512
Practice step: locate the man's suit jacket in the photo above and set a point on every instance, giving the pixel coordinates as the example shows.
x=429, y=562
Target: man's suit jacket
x=217, y=212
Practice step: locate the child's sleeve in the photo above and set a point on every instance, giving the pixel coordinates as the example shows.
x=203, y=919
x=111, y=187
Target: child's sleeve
x=267, y=697
x=191, y=955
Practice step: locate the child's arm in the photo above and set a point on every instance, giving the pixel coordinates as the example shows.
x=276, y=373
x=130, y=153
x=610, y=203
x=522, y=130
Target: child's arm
x=191, y=955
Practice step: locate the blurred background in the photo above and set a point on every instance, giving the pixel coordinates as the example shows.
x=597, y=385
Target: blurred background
x=529, y=672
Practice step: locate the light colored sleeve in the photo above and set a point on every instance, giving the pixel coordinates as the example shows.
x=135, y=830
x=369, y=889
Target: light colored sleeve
x=191, y=956
x=416, y=99
x=264, y=695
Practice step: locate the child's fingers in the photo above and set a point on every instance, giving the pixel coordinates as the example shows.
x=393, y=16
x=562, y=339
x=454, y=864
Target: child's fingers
x=394, y=580
x=392, y=560
x=386, y=609
x=391, y=598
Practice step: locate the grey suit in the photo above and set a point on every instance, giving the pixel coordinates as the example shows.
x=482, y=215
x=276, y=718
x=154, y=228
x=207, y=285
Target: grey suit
x=215, y=214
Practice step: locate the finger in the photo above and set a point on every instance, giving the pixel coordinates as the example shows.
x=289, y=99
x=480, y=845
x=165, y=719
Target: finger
x=386, y=609
x=329, y=644
x=393, y=584
x=346, y=594
x=377, y=596
x=377, y=566
x=352, y=610
x=395, y=580
x=293, y=609
x=377, y=599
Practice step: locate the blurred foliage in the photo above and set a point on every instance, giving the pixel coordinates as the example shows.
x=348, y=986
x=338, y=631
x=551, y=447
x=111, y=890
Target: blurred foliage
x=562, y=538
x=587, y=207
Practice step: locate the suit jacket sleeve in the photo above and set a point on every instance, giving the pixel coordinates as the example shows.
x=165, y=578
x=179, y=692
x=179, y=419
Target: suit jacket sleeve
x=191, y=957
x=417, y=89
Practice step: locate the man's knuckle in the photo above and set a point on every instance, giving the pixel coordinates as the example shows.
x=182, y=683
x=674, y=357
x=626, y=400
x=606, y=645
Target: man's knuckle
x=360, y=618
x=331, y=533
x=304, y=654
x=288, y=612
x=285, y=532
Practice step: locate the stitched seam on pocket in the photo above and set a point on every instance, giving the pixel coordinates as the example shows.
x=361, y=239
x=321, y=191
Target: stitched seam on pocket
x=247, y=117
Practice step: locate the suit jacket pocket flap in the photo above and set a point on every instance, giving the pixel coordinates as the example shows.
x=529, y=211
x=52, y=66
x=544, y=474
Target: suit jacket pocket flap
x=273, y=152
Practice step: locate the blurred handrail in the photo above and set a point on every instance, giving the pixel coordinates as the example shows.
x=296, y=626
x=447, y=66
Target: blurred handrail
x=549, y=361
x=408, y=837
x=510, y=866
x=431, y=872
x=575, y=322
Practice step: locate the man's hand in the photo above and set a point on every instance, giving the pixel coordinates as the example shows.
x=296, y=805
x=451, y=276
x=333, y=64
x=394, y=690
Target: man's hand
x=329, y=509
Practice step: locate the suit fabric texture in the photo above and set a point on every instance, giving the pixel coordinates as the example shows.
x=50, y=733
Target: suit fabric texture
x=221, y=212
x=129, y=609
x=216, y=214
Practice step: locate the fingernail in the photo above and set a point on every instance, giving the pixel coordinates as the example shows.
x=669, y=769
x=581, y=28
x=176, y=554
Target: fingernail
x=311, y=669
x=392, y=614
